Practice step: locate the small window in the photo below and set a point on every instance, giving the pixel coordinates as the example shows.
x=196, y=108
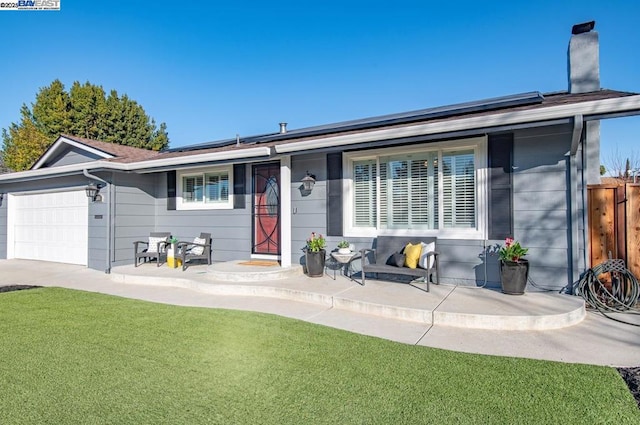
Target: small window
x=206, y=189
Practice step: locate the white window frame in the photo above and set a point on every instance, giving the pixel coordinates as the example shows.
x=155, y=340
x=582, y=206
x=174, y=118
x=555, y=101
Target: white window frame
x=202, y=205
x=479, y=232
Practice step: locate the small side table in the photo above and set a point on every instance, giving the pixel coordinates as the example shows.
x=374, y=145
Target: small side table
x=345, y=261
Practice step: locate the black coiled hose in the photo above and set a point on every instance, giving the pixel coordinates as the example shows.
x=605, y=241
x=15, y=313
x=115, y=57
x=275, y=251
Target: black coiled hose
x=622, y=297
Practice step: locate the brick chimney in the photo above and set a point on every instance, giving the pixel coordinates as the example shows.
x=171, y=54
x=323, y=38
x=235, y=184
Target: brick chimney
x=584, y=59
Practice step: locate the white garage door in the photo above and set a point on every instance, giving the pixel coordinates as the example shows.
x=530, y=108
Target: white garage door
x=50, y=227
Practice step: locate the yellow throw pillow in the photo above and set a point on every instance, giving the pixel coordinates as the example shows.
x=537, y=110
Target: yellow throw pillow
x=412, y=253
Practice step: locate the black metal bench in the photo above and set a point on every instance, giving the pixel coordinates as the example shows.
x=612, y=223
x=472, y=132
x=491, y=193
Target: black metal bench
x=374, y=260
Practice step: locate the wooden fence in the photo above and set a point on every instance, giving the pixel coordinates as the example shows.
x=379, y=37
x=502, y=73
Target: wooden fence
x=614, y=224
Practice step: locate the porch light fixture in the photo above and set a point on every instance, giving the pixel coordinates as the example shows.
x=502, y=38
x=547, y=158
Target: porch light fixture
x=93, y=192
x=1, y=198
x=308, y=182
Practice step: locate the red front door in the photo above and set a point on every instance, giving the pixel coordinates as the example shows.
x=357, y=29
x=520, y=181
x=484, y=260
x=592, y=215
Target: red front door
x=266, y=209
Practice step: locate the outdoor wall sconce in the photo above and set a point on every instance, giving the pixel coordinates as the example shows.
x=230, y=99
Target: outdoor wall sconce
x=1, y=198
x=308, y=182
x=93, y=191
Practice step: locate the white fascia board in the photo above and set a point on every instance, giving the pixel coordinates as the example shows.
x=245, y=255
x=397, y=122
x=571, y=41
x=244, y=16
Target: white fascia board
x=140, y=166
x=605, y=106
x=53, y=171
x=196, y=159
x=52, y=151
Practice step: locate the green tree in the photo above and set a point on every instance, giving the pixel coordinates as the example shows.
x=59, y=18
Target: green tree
x=603, y=170
x=3, y=167
x=24, y=143
x=84, y=111
x=88, y=111
x=52, y=110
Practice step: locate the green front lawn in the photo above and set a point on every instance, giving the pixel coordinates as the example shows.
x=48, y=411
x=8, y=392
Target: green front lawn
x=71, y=357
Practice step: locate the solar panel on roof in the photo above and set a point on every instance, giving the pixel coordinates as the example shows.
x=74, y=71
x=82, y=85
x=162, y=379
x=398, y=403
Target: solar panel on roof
x=521, y=99
x=424, y=114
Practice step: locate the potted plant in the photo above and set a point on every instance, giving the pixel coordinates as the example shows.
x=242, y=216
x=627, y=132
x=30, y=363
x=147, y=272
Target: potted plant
x=344, y=247
x=315, y=255
x=514, y=270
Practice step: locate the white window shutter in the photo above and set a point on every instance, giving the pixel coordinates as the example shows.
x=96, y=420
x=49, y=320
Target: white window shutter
x=459, y=189
x=398, y=181
x=365, y=194
x=421, y=209
x=385, y=200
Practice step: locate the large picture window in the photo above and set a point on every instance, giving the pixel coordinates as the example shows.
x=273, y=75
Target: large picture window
x=429, y=190
x=205, y=189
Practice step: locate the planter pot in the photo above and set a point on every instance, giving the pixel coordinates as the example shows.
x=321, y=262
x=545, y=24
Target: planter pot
x=315, y=263
x=344, y=251
x=514, y=276
x=173, y=259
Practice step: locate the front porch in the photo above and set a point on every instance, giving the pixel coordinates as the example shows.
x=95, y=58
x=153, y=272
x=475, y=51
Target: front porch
x=444, y=305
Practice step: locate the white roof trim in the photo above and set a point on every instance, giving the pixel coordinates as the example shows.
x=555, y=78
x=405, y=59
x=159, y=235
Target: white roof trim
x=596, y=107
x=140, y=165
x=604, y=106
x=53, y=150
x=205, y=157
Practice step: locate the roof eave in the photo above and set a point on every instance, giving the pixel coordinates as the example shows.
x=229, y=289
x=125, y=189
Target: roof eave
x=140, y=166
x=56, y=146
x=624, y=106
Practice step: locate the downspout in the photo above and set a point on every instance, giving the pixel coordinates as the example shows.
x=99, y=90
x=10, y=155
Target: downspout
x=109, y=209
x=578, y=125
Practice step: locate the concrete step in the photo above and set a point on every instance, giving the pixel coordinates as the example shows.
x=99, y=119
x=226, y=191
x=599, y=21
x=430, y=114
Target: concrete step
x=460, y=307
x=251, y=271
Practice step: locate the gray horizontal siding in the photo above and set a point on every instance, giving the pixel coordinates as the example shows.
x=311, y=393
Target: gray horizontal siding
x=309, y=213
x=230, y=228
x=534, y=180
x=539, y=200
x=541, y=149
x=542, y=238
x=541, y=203
x=72, y=155
x=134, y=202
x=98, y=232
x=551, y=219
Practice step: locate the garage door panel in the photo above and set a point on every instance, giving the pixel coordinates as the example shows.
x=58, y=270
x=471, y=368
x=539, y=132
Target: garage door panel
x=51, y=227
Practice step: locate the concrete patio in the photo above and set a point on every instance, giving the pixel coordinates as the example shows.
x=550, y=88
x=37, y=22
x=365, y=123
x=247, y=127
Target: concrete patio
x=457, y=306
x=539, y=325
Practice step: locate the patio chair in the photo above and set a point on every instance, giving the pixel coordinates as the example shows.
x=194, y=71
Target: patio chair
x=199, y=249
x=156, y=247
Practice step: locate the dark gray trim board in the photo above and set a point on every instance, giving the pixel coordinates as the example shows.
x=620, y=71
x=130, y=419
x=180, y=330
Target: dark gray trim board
x=171, y=190
x=334, y=194
x=500, y=153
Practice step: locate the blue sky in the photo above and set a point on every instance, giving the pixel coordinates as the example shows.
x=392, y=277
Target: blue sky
x=212, y=69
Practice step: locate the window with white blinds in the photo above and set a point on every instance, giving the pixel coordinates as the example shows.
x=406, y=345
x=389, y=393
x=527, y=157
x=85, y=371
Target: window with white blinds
x=206, y=189
x=192, y=189
x=364, y=202
x=458, y=189
x=423, y=190
x=217, y=188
